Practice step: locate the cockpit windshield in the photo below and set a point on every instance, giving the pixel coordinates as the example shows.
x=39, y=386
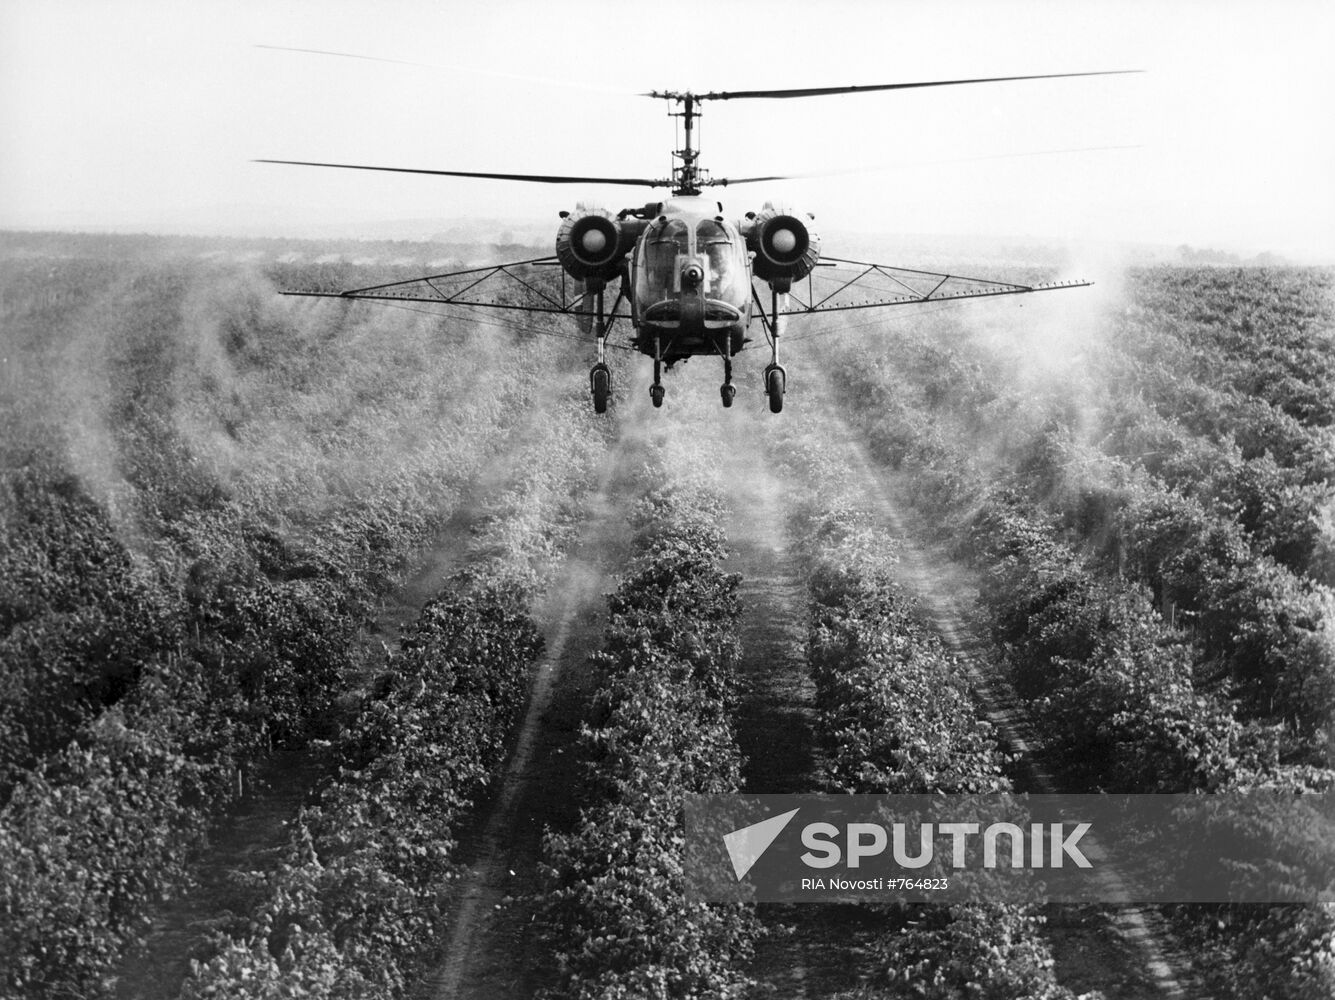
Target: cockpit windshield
x=715, y=244
x=663, y=242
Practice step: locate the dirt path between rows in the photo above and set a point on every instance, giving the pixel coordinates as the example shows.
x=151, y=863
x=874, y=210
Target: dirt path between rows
x=810, y=950
x=251, y=836
x=1116, y=950
x=249, y=839
x=491, y=949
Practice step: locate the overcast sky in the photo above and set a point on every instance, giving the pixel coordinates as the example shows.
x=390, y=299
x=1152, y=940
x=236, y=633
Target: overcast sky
x=144, y=114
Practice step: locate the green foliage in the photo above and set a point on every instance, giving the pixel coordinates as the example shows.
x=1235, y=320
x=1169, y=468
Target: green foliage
x=77, y=617
x=356, y=904
x=1268, y=628
x=896, y=711
x=1267, y=952
x=1106, y=659
x=289, y=646
x=980, y=951
x=1114, y=681
x=897, y=715
x=1224, y=519
x=205, y=490
x=102, y=830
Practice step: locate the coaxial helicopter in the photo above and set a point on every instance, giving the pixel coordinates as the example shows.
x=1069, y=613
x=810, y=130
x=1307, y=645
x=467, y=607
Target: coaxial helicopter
x=691, y=280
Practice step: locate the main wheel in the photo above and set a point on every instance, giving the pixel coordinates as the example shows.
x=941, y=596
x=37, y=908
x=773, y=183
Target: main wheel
x=774, y=386
x=600, y=384
x=656, y=394
x=728, y=391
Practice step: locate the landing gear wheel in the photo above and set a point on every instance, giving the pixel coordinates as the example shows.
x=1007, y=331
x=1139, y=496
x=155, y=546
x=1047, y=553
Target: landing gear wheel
x=600, y=384
x=775, y=382
x=656, y=394
x=727, y=390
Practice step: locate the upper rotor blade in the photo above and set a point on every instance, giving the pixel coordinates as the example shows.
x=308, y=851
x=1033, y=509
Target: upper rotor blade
x=728, y=95
x=535, y=178
x=345, y=55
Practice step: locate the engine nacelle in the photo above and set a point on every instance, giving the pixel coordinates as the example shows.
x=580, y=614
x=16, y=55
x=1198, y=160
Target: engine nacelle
x=591, y=244
x=785, y=246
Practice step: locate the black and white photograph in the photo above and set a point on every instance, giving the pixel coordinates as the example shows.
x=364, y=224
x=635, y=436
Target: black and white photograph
x=734, y=500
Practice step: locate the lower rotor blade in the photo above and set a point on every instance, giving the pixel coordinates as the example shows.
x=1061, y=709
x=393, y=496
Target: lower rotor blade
x=876, y=168
x=725, y=181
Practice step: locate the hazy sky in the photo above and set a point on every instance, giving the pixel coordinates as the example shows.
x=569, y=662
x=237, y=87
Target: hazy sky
x=144, y=114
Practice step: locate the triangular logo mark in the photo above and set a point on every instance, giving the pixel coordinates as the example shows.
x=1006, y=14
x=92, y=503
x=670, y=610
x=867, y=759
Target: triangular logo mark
x=745, y=846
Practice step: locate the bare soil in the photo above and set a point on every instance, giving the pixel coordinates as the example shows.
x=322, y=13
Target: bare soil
x=491, y=947
x=1119, y=950
x=251, y=837
x=809, y=950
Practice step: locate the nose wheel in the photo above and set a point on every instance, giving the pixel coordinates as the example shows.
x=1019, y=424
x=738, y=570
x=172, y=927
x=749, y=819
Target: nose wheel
x=656, y=391
x=727, y=390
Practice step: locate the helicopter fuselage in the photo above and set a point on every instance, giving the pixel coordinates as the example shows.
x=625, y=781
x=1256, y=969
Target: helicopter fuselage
x=690, y=276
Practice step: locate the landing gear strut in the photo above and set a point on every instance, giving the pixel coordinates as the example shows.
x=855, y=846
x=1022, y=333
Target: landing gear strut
x=656, y=390
x=776, y=378
x=600, y=376
x=727, y=390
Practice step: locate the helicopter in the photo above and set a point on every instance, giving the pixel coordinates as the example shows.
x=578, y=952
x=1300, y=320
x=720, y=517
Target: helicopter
x=687, y=278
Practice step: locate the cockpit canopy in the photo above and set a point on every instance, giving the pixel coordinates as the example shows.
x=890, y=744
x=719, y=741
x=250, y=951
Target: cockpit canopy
x=670, y=244
x=721, y=245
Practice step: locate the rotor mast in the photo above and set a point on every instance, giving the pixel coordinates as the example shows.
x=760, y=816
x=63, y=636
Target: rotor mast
x=687, y=180
x=686, y=176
